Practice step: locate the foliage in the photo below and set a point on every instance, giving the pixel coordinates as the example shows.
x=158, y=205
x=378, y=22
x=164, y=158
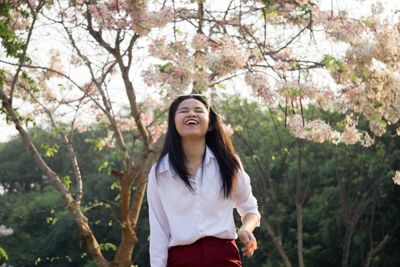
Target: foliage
x=269, y=155
x=272, y=47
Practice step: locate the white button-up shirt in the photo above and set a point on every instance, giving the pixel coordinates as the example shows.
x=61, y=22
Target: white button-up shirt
x=180, y=217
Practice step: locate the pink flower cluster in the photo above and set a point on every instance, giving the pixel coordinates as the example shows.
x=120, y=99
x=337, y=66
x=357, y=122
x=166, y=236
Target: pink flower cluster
x=200, y=42
x=181, y=69
x=262, y=89
x=113, y=15
x=315, y=130
x=319, y=131
x=308, y=93
x=144, y=21
x=173, y=77
x=350, y=135
x=175, y=51
x=378, y=128
x=226, y=57
x=281, y=67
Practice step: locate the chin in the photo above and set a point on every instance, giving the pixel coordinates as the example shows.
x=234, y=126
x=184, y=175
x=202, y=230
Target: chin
x=193, y=136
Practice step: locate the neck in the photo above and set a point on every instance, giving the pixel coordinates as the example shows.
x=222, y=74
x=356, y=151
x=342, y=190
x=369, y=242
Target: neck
x=194, y=150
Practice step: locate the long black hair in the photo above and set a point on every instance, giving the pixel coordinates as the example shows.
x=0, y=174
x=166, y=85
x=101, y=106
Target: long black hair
x=216, y=139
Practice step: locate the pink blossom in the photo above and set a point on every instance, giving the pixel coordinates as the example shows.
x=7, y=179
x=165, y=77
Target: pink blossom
x=261, y=88
x=180, y=72
x=377, y=128
x=350, y=135
x=367, y=141
x=396, y=178
x=33, y=3
x=126, y=124
x=90, y=88
x=123, y=24
x=157, y=131
x=281, y=67
x=162, y=17
x=144, y=21
x=149, y=77
x=226, y=57
x=302, y=2
x=146, y=118
x=175, y=51
x=50, y=95
x=176, y=78
x=4, y=231
x=200, y=41
x=114, y=4
x=318, y=131
x=81, y=126
x=296, y=126
x=201, y=79
x=18, y=22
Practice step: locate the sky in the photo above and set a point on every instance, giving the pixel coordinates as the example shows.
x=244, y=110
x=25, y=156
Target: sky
x=357, y=8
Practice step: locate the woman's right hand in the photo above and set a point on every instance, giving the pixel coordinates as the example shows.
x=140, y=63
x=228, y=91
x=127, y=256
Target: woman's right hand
x=248, y=240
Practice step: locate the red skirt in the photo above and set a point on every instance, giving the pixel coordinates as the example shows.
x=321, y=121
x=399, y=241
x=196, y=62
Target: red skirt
x=205, y=252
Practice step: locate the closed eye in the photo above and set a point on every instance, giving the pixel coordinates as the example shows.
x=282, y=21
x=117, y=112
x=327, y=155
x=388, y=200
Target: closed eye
x=199, y=110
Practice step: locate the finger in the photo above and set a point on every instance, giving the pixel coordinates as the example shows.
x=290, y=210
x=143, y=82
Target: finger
x=243, y=236
x=247, y=252
x=252, y=244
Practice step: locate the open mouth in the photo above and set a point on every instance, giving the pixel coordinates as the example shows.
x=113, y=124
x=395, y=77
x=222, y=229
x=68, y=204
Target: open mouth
x=191, y=122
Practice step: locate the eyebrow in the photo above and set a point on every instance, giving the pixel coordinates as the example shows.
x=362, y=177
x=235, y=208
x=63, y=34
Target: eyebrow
x=198, y=107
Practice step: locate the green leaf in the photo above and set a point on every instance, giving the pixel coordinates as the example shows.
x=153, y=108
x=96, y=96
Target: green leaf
x=114, y=186
x=2, y=79
x=51, y=220
x=166, y=67
x=3, y=254
x=66, y=181
x=108, y=246
x=333, y=64
x=50, y=151
x=37, y=260
x=104, y=165
x=239, y=129
x=96, y=143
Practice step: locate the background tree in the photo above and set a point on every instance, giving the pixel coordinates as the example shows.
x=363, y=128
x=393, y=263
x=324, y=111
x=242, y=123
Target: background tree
x=64, y=106
x=101, y=45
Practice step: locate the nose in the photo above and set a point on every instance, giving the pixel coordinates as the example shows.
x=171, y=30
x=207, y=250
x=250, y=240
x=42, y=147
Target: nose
x=191, y=113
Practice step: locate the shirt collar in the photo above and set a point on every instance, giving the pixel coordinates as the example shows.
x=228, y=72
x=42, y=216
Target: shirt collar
x=165, y=165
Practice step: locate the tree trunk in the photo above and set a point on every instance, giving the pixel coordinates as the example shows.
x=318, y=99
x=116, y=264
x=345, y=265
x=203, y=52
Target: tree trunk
x=86, y=233
x=299, y=200
x=277, y=244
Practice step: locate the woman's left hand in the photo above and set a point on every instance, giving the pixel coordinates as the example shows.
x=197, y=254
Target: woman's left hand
x=248, y=240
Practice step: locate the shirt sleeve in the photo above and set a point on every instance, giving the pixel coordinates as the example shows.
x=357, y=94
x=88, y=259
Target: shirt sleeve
x=243, y=198
x=159, y=227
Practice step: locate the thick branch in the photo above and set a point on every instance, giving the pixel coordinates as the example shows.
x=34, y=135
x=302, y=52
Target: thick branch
x=108, y=111
x=125, y=77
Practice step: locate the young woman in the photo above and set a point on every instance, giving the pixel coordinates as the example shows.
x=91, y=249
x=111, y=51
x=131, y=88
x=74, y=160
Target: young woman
x=192, y=190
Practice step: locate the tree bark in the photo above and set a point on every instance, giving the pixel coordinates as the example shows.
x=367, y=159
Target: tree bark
x=277, y=244
x=299, y=200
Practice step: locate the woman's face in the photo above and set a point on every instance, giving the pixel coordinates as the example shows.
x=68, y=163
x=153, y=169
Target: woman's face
x=192, y=119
